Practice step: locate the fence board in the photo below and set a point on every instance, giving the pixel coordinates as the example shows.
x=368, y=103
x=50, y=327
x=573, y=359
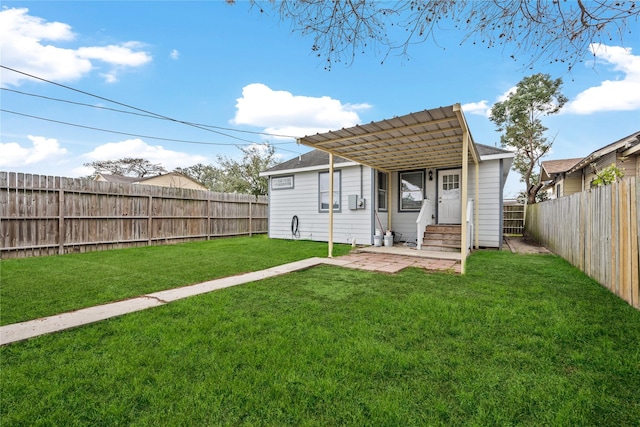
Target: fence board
x=45, y=215
x=597, y=231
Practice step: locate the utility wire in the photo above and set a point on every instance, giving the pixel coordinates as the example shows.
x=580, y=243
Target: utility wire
x=121, y=104
x=146, y=115
x=115, y=131
x=132, y=134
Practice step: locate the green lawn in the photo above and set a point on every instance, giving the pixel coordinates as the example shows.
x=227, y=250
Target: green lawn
x=518, y=340
x=38, y=287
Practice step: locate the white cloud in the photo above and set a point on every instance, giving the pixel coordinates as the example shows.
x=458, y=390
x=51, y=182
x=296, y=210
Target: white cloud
x=480, y=108
x=42, y=150
x=174, y=54
x=622, y=94
x=138, y=148
x=27, y=44
x=281, y=112
x=123, y=55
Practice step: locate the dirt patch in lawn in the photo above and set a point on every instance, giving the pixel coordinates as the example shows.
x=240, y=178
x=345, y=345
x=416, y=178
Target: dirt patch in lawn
x=525, y=245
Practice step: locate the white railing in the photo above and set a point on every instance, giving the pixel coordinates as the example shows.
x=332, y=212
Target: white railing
x=424, y=218
x=469, y=224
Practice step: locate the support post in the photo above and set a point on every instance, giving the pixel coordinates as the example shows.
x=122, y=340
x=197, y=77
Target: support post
x=389, y=199
x=476, y=209
x=330, y=255
x=464, y=197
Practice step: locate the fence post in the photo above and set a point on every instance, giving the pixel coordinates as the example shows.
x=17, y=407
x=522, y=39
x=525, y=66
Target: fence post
x=61, y=230
x=250, y=225
x=149, y=220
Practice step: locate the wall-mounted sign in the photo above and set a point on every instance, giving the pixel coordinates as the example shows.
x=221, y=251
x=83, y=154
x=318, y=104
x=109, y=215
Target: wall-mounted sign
x=282, y=182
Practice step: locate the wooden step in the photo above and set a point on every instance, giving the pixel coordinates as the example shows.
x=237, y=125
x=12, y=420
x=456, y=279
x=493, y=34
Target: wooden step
x=441, y=248
x=442, y=238
x=445, y=228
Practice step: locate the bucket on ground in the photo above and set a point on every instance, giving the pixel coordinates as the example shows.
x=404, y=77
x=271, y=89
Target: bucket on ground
x=377, y=240
x=388, y=240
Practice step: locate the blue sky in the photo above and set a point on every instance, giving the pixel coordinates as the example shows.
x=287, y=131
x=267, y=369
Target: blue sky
x=227, y=66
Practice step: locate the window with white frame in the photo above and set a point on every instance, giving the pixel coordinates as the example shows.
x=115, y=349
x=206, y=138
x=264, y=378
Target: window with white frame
x=383, y=191
x=411, y=190
x=323, y=194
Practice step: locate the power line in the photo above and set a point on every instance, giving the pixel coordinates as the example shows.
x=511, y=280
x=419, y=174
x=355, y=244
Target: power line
x=144, y=115
x=123, y=104
x=133, y=134
x=117, y=132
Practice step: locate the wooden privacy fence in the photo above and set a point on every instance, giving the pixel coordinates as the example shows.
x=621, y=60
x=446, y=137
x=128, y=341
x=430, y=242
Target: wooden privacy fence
x=46, y=215
x=597, y=231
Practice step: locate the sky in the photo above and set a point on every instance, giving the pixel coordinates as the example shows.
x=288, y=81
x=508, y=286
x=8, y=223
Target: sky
x=249, y=79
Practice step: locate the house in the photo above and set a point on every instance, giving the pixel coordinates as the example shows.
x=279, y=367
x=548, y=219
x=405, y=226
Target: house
x=555, y=174
x=402, y=174
x=172, y=179
x=569, y=176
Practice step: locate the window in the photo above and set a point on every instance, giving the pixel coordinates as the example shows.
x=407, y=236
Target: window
x=411, y=190
x=383, y=187
x=323, y=196
x=450, y=182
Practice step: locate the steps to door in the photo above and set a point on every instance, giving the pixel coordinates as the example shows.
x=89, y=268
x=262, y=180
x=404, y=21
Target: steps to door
x=443, y=238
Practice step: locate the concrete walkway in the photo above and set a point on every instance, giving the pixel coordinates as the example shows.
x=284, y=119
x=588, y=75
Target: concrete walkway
x=385, y=263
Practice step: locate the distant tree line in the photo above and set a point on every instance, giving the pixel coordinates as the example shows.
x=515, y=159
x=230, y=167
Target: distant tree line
x=227, y=176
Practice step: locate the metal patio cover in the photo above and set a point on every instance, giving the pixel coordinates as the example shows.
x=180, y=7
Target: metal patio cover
x=426, y=139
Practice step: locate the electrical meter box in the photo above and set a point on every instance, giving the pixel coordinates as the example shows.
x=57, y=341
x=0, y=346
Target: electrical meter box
x=356, y=202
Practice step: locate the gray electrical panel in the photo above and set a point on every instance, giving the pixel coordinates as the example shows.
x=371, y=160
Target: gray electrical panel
x=356, y=202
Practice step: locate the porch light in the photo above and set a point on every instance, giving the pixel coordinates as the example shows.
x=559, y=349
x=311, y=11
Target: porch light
x=430, y=175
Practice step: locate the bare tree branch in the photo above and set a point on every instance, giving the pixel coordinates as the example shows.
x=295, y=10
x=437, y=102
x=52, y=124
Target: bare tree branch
x=540, y=30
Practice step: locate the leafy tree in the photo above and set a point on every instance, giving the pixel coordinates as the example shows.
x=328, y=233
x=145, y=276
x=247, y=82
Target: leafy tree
x=557, y=31
x=244, y=176
x=519, y=118
x=127, y=166
x=207, y=175
x=233, y=176
x=607, y=176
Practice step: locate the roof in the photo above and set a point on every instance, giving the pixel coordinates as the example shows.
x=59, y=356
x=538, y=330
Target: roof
x=425, y=139
x=622, y=144
x=551, y=167
x=307, y=160
x=318, y=158
x=118, y=179
x=488, y=150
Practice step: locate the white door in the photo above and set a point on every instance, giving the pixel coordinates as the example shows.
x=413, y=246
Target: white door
x=449, y=208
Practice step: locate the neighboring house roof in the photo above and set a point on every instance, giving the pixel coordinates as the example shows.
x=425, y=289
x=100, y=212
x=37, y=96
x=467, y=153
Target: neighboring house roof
x=118, y=179
x=549, y=168
x=628, y=144
x=320, y=159
x=171, y=179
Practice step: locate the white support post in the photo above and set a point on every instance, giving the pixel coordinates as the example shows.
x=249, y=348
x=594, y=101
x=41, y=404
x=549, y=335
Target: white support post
x=476, y=231
x=330, y=255
x=464, y=197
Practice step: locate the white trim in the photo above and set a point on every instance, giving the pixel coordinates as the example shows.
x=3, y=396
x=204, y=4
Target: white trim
x=498, y=156
x=309, y=169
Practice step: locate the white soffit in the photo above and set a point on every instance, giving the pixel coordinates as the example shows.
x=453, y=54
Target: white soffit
x=425, y=139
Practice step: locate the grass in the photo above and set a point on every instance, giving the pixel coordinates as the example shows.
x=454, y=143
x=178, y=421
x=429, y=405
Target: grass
x=36, y=287
x=518, y=340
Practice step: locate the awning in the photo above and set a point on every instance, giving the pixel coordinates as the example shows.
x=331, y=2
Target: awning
x=427, y=139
